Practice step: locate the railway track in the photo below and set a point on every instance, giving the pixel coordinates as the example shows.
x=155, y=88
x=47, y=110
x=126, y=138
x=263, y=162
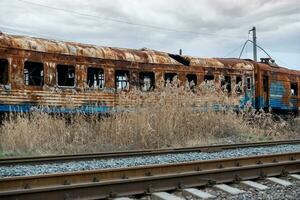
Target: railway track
x=118, y=182
x=118, y=154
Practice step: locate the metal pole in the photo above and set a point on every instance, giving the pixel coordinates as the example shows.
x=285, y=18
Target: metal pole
x=253, y=30
x=180, y=51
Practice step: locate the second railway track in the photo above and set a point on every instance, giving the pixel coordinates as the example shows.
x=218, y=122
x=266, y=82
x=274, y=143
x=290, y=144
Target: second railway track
x=118, y=154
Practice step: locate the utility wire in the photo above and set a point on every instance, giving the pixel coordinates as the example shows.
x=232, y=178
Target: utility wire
x=233, y=51
x=256, y=46
x=21, y=31
x=283, y=62
x=98, y=17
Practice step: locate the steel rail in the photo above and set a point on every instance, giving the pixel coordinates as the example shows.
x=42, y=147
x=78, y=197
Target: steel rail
x=118, y=154
x=21, y=187
x=161, y=182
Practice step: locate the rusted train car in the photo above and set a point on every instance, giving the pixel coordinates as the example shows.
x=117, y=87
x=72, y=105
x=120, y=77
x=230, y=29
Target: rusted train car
x=71, y=77
x=276, y=87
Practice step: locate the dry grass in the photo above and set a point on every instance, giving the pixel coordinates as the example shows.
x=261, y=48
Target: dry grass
x=169, y=117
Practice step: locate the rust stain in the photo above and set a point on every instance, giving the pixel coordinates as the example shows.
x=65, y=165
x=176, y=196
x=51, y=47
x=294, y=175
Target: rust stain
x=77, y=49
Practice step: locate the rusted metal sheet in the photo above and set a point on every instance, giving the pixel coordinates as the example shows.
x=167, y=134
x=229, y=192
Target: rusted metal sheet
x=236, y=64
x=77, y=49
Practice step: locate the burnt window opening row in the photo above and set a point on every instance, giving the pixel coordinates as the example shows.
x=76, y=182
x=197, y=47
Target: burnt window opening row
x=226, y=83
x=34, y=76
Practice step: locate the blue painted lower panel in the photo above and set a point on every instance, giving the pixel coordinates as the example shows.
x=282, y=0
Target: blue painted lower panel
x=89, y=109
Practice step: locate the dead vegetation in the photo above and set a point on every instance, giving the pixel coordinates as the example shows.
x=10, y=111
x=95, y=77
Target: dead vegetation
x=169, y=117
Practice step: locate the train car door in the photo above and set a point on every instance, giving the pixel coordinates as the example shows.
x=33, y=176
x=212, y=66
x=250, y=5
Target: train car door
x=266, y=91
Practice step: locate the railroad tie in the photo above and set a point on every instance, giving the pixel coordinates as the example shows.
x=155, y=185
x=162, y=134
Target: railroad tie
x=255, y=185
x=296, y=176
x=228, y=189
x=164, y=196
x=197, y=193
x=280, y=181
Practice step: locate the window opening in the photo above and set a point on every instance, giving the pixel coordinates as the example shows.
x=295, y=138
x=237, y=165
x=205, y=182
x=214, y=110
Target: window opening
x=209, y=78
x=122, y=80
x=147, y=81
x=3, y=71
x=238, y=84
x=248, y=82
x=226, y=84
x=33, y=73
x=66, y=75
x=192, y=80
x=294, y=89
x=95, y=78
x=169, y=77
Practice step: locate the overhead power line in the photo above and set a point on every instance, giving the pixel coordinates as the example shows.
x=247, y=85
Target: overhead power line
x=256, y=46
x=98, y=17
x=22, y=31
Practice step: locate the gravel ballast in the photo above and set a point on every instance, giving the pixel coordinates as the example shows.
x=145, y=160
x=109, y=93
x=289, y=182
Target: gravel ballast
x=57, y=167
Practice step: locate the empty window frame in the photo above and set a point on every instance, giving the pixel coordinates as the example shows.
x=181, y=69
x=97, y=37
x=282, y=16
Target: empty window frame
x=192, y=80
x=265, y=83
x=122, y=80
x=95, y=77
x=248, y=83
x=238, y=85
x=147, y=81
x=209, y=78
x=65, y=75
x=226, y=84
x=3, y=71
x=294, y=89
x=33, y=73
x=169, y=77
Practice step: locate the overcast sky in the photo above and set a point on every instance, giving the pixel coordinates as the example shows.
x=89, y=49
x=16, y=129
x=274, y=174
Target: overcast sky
x=203, y=28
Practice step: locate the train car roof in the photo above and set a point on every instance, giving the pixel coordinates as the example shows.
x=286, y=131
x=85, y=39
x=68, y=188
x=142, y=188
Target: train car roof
x=278, y=69
x=231, y=63
x=85, y=50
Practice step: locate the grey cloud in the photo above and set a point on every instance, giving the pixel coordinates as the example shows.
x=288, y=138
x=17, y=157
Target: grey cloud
x=277, y=22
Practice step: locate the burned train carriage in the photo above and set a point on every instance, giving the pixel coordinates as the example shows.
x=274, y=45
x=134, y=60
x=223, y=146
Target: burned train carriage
x=70, y=77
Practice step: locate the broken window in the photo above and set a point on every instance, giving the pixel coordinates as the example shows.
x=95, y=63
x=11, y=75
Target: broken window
x=248, y=82
x=147, y=81
x=226, y=84
x=238, y=85
x=192, y=80
x=266, y=83
x=169, y=77
x=122, y=80
x=209, y=78
x=33, y=73
x=294, y=89
x=3, y=71
x=66, y=75
x=95, y=77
